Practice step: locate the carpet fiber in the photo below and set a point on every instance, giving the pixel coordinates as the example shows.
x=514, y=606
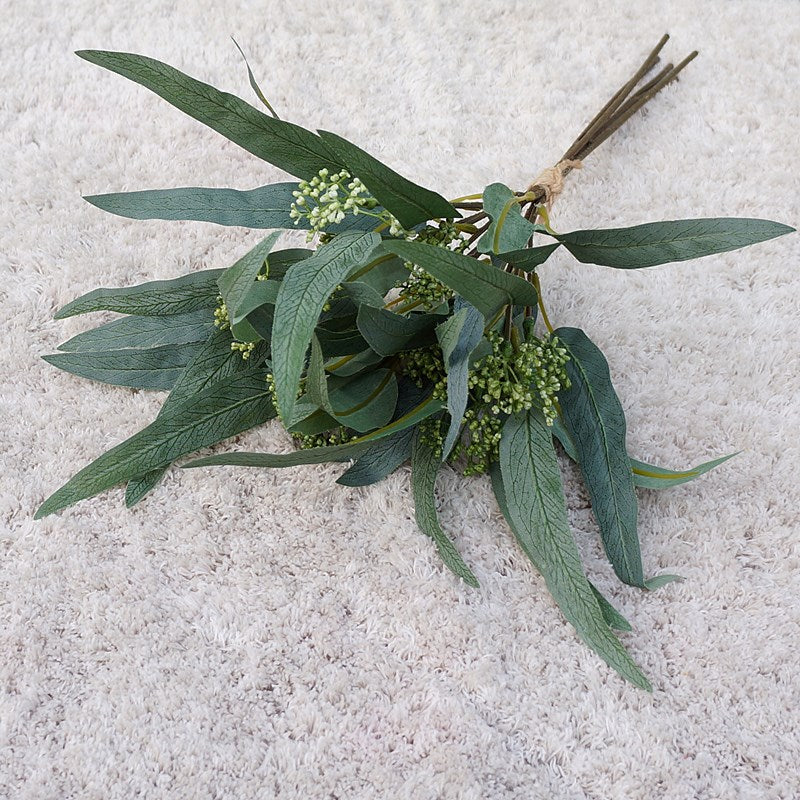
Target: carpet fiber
x=257, y=634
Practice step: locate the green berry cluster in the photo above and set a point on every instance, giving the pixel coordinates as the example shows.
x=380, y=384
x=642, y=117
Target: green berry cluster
x=221, y=318
x=340, y=435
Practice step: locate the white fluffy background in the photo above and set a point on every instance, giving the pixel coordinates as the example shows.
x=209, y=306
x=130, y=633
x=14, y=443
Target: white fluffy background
x=248, y=634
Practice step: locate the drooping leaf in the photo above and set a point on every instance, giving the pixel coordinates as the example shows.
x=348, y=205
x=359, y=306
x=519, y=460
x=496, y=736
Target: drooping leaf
x=304, y=290
x=152, y=299
x=530, y=485
x=365, y=402
x=595, y=421
x=424, y=467
x=263, y=207
x=664, y=242
x=411, y=204
x=140, y=332
x=289, y=147
x=529, y=258
x=155, y=368
x=508, y=230
x=481, y=284
x=649, y=476
x=381, y=459
x=221, y=411
x=237, y=281
x=388, y=333
x=458, y=338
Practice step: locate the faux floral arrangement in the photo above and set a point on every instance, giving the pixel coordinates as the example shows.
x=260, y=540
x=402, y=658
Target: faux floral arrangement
x=412, y=327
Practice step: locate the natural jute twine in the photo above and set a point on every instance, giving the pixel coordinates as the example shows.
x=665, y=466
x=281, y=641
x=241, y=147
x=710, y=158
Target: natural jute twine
x=551, y=181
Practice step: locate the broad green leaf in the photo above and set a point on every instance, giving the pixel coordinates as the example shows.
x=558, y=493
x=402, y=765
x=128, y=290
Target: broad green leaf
x=237, y=281
x=340, y=343
x=365, y=402
x=649, y=476
x=155, y=369
x=529, y=258
x=508, y=230
x=424, y=465
x=388, y=272
x=279, y=261
x=664, y=242
x=537, y=515
x=352, y=365
x=214, y=362
x=388, y=333
x=458, y=338
x=595, y=421
x=481, y=284
x=289, y=147
x=221, y=411
x=152, y=299
x=381, y=459
x=304, y=290
x=140, y=332
x=362, y=294
x=254, y=83
x=411, y=204
x=263, y=207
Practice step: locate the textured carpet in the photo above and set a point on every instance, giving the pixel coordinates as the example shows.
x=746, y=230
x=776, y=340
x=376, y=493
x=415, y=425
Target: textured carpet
x=246, y=634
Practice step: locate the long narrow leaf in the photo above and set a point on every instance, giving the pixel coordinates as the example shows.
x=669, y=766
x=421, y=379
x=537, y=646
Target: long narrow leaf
x=380, y=460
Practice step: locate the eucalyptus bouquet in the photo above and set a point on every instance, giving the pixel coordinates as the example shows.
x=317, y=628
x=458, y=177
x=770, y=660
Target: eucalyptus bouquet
x=411, y=327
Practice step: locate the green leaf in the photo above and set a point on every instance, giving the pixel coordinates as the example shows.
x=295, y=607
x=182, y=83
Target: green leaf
x=411, y=204
x=214, y=362
x=362, y=294
x=664, y=242
x=388, y=333
x=263, y=207
x=530, y=483
x=387, y=273
x=140, y=332
x=155, y=369
x=221, y=411
x=424, y=466
x=152, y=299
x=303, y=293
x=279, y=261
x=595, y=421
x=365, y=402
x=316, y=380
x=237, y=281
x=610, y=614
x=508, y=230
x=381, y=459
x=352, y=365
x=648, y=476
x=458, y=338
x=481, y=284
x=254, y=83
x=289, y=147
x=529, y=258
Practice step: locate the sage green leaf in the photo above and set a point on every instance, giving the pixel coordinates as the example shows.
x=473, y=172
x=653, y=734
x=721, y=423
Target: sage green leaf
x=255, y=313
x=595, y=421
x=362, y=294
x=214, y=362
x=279, y=261
x=458, y=338
x=657, y=581
x=352, y=365
x=155, y=369
x=237, y=281
x=316, y=422
x=664, y=242
x=424, y=466
x=140, y=332
x=254, y=83
x=340, y=343
x=221, y=411
x=381, y=459
x=388, y=333
x=411, y=204
x=648, y=476
x=304, y=290
x=152, y=299
x=316, y=380
x=561, y=433
x=365, y=402
x=388, y=272
x=263, y=207
x=610, y=614
x=529, y=258
x=261, y=293
x=508, y=230
x=537, y=515
x=481, y=284
x=289, y=147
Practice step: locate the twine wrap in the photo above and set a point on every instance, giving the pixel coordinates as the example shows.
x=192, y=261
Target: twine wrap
x=551, y=180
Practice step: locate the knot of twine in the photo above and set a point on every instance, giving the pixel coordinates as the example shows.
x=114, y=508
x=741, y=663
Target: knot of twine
x=551, y=181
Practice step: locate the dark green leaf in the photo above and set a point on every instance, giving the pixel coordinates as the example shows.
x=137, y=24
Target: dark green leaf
x=223, y=410
x=139, y=332
x=287, y=146
x=529, y=258
x=381, y=459
x=508, y=230
x=387, y=273
x=663, y=242
x=365, y=402
x=152, y=299
x=279, y=261
x=534, y=498
x=388, y=333
x=481, y=284
x=424, y=466
x=304, y=290
x=595, y=421
x=362, y=294
x=411, y=204
x=352, y=365
x=237, y=281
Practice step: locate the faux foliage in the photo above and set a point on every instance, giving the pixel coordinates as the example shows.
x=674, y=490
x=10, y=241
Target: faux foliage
x=411, y=328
